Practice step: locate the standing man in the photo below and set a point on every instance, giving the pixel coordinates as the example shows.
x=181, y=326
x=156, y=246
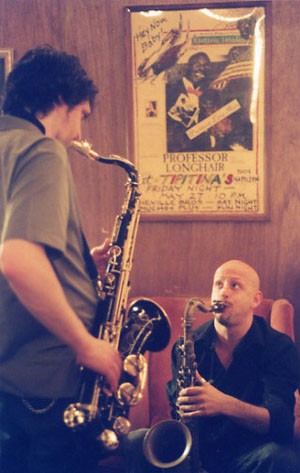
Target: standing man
x=248, y=373
x=47, y=298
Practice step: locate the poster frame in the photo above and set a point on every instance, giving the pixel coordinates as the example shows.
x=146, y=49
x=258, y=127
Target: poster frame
x=260, y=211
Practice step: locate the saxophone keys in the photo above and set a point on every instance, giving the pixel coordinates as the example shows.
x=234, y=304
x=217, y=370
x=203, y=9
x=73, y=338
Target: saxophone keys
x=115, y=251
x=109, y=281
x=135, y=365
x=78, y=415
x=109, y=440
x=121, y=425
x=128, y=394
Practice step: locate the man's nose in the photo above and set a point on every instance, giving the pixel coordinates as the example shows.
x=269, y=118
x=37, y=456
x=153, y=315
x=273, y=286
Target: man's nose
x=78, y=136
x=224, y=290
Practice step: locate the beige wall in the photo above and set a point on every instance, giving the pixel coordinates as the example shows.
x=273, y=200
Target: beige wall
x=174, y=257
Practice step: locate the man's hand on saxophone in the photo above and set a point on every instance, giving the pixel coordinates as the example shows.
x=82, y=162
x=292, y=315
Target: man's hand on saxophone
x=208, y=401
x=100, y=255
x=101, y=357
x=201, y=400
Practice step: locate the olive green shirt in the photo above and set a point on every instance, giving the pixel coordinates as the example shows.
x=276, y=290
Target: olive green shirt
x=38, y=204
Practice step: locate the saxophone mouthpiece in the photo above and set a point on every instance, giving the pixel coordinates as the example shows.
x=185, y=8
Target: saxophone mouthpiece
x=217, y=307
x=85, y=148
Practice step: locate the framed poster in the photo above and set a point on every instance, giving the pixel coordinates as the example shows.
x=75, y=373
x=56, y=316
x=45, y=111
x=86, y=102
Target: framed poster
x=198, y=122
x=6, y=60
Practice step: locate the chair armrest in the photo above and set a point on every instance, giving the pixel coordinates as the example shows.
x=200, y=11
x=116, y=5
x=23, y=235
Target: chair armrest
x=282, y=317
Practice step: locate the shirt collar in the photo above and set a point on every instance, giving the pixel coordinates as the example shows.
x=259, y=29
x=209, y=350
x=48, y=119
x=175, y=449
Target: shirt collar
x=30, y=118
x=254, y=337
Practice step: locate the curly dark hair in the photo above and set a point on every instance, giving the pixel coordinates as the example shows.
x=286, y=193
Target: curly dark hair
x=44, y=77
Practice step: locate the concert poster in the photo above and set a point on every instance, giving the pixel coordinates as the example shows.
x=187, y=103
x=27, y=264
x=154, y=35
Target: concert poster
x=199, y=109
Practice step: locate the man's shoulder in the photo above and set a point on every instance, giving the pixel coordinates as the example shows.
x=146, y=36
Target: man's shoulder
x=22, y=137
x=265, y=326
x=11, y=122
x=273, y=339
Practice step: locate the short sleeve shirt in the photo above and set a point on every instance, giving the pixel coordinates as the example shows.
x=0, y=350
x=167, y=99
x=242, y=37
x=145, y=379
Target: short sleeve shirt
x=38, y=204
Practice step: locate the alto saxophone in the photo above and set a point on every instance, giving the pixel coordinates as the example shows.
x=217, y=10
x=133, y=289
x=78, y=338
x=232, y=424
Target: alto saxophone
x=176, y=442
x=144, y=326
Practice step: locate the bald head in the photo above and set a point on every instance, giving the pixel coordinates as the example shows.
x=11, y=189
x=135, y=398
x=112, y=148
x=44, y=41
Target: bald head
x=241, y=269
x=236, y=284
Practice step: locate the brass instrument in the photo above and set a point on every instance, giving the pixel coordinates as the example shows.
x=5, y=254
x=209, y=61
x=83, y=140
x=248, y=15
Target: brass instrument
x=171, y=442
x=145, y=326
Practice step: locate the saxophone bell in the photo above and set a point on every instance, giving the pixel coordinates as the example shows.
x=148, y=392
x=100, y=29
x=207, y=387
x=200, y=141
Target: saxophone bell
x=155, y=322
x=167, y=443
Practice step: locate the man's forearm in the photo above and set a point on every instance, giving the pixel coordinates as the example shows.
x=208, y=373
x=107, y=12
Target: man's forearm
x=252, y=417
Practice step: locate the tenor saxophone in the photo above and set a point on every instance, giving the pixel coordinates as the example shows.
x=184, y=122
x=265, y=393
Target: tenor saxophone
x=144, y=326
x=176, y=442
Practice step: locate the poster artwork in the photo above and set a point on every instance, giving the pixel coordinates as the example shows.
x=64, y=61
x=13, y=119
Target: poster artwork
x=198, y=87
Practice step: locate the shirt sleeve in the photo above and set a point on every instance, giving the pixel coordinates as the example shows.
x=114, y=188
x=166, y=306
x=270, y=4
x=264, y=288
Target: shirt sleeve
x=37, y=205
x=282, y=374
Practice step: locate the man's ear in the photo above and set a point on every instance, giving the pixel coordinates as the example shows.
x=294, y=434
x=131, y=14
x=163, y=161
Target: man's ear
x=257, y=299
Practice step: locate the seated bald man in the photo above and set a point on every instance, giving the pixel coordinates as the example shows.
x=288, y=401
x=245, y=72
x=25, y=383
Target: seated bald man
x=243, y=407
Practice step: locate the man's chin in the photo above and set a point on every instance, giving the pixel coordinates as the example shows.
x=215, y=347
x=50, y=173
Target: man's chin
x=223, y=319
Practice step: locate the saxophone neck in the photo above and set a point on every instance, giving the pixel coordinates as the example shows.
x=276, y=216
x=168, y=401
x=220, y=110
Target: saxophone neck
x=85, y=148
x=198, y=304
